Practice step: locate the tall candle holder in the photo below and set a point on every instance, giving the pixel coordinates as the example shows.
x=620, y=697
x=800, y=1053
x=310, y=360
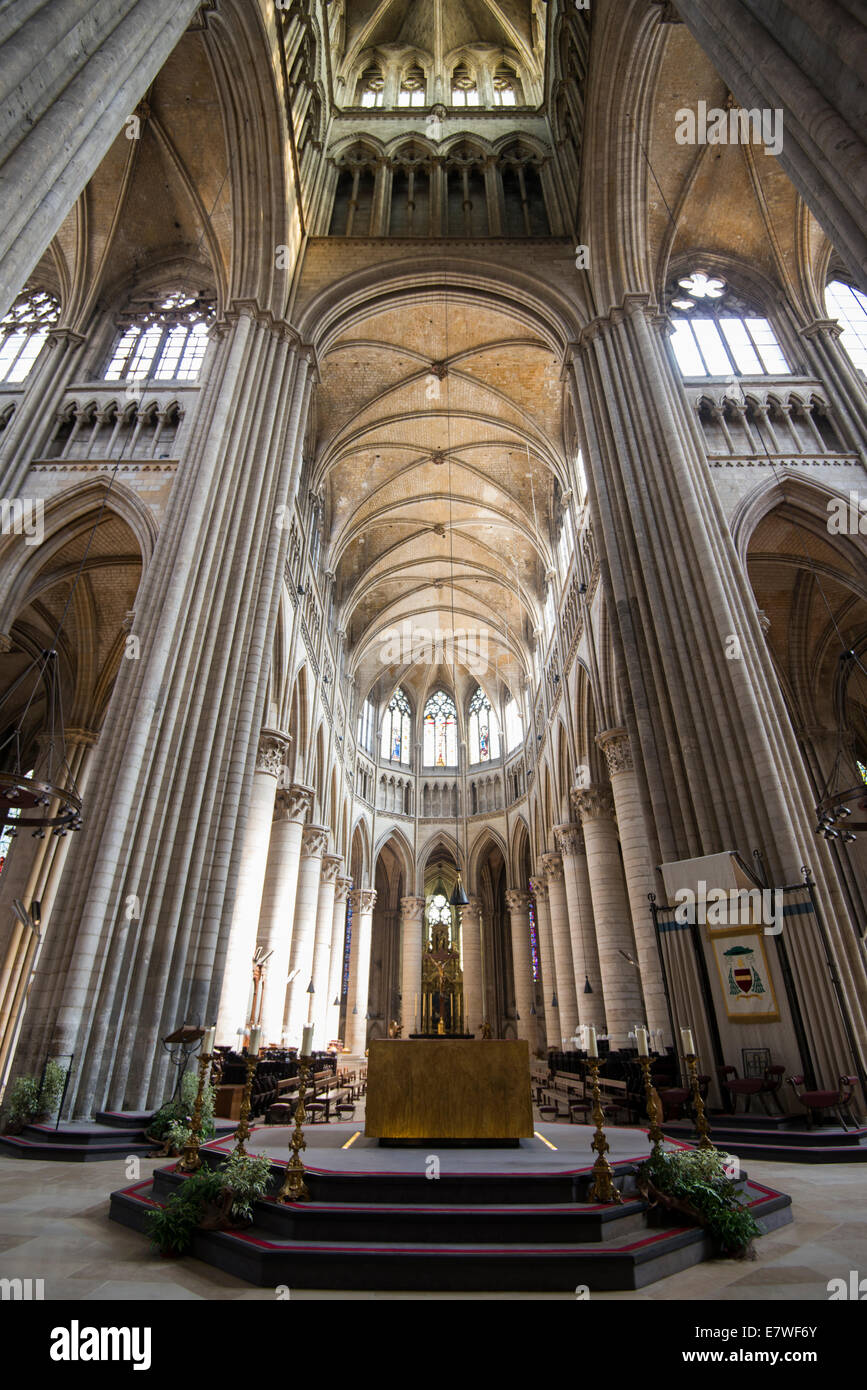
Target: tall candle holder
x=702, y=1128
x=654, y=1107
x=294, y=1188
x=242, y=1133
x=602, y=1188
x=191, y=1160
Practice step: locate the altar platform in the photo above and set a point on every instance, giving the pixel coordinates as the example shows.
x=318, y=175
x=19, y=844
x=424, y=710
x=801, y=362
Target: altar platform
x=516, y=1219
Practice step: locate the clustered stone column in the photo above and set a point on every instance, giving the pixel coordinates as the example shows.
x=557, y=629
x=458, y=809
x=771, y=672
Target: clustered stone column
x=411, y=934
x=238, y=976
x=582, y=926
x=518, y=903
x=624, y=1005
x=638, y=869
x=363, y=901
x=292, y=807
x=314, y=843
x=331, y=866
x=550, y=1033
x=471, y=962
x=564, y=971
x=335, y=969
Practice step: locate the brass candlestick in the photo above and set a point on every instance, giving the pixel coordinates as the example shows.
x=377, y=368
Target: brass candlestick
x=191, y=1160
x=654, y=1107
x=294, y=1188
x=242, y=1133
x=602, y=1188
x=702, y=1128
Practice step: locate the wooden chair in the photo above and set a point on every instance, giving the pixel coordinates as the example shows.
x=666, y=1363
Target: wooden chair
x=816, y=1102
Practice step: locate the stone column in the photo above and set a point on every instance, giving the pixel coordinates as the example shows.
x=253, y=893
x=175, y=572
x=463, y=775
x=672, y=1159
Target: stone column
x=551, y=1037
x=72, y=74
x=807, y=61
x=278, y=903
x=621, y=982
x=564, y=970
x=471, y=962
x=411, y=939
x=314, y=843
x=518, y=903
x=640, y=880
x=363, y=902
x=335, y=968
x=582, y=927
x=238, y=977
x=331, y=866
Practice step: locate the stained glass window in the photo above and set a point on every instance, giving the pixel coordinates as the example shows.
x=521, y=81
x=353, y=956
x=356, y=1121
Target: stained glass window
x=365, y=726
x=23, y=331
x=166, y=341
x=440, y=731
x=439, y=910
x=396, y=740
x=514, y=727
x=534, y=939
x=347, y=947
x=484, y=731
x=863, y=770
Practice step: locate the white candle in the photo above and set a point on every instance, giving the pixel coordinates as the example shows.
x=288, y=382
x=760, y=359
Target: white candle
x=307, y=1040
x=208, y=1042
x=641, y=1040
x=255, y=1040
x=688, y=1044
x=592, y=1050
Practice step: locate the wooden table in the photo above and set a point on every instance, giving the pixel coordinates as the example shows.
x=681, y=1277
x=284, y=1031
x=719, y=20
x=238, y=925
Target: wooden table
x=448, y=1089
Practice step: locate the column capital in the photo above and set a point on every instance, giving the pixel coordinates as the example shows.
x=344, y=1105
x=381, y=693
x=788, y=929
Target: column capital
x=363, y=899
x=471, y=909
x=341, y=891
x=539, y=888
x=517, y=900
x=6, y=643
x=314, y=841
x=293, y=803
x=820, y=326
x=331, y=866
x=411, y=908
x=552, y=865
x=85, y=738
x=617, y=749
x=271, y=751
x=569, y=838
x=594, y=803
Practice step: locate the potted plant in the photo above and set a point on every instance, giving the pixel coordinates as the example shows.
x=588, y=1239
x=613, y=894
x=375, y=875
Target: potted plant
x=244, y=1178
x=53, y=1082
x=22, y=1104
x=171, y=1227
x=695, y=1182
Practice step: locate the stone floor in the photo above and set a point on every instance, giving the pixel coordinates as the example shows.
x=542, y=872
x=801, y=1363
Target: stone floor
x=54, y=1226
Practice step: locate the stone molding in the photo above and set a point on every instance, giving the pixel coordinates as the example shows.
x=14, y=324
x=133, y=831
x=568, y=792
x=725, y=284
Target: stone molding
x=342, y=890
x=411, y=909
x=517, y=900
x=271, y=751
x=552, y=867
x=539, y=889
x=569, y=838
x=293, y=803
x=331, y=866
x=594, y=803
x=363, y=899
x=314, y=841
x=617, y=749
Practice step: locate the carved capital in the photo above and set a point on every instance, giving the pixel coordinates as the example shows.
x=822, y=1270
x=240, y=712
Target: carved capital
x=471, y=910
x=618, y=752
x=831, y=327
x=764, y=621
x=314, y=841
x=569, y=838
x=363, y=899
x=293, y=803
x=5, y=643
x=539, y=889
x=341, y=892
x=517, y=900
x=411, y=909
x=271, y=752
x=331, y=866
x=594, y=803
x=553, y=867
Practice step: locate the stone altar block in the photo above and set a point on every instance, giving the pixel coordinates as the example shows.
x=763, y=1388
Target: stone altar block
x=448, y=1088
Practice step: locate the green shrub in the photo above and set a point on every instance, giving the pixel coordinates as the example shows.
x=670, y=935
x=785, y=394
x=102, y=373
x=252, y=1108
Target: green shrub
x=171, y=1227
x=53, y=1083
x=179, y=1113
x=23, y=1099
x=697, y=1180
x=246, y=1176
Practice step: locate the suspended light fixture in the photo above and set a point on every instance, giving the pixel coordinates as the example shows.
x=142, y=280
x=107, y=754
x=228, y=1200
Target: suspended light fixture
x=588, y=988
x=52, y=801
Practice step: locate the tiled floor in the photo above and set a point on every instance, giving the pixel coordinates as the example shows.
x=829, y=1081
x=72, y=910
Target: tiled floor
x=54, y=1226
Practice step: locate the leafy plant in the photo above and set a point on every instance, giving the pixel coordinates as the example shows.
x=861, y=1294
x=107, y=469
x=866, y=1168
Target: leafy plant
x=23, y=1100
x=695, y=1182
x=246, y=1176
x=53, y=1082
x=171, y=1227
x=174, y=1119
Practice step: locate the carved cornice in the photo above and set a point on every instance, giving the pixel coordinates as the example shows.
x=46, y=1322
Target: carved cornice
x=569, y=839
x=616, y=747
x=411, y=909
x=314, y=841
x=594, y=803
x=552, y=865
x=517, y=900
x=293, y=803
x=331, y=866
x=271, y=752
x=363, y=899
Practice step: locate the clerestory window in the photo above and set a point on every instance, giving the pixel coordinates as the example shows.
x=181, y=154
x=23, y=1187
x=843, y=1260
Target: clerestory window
x=23, y=332
x=849, y=306
x=715, y=336
x=483, y=730
x=412, y=88
x=464, y=89
x=164, y=341
x=396, y=739
x=372, y=87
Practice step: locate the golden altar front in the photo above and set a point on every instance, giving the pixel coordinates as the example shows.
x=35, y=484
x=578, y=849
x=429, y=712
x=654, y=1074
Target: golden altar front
x=448, y=1088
